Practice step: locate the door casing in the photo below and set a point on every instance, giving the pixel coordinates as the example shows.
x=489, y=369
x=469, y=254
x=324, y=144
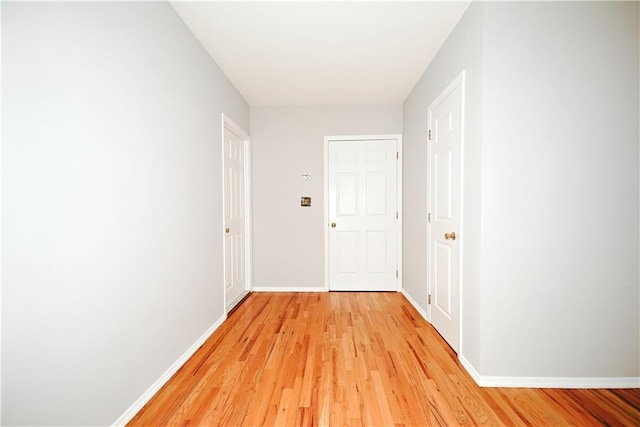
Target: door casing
x=352, y=138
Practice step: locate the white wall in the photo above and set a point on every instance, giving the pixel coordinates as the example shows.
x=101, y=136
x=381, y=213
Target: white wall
x=551, y=209
x=560, y=190
x=111, y=174
x=288, y=248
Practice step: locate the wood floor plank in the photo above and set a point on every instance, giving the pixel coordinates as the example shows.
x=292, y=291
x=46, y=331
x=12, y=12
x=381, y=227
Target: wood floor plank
x=359, y=359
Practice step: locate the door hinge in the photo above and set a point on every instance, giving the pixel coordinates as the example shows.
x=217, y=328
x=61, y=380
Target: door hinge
x=429, y=134
x=396, y=274
x=429, y=217
x=429, y=299
x=397, y=215
x=397, y=155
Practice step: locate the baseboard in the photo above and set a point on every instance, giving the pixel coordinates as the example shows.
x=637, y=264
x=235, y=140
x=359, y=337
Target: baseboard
x=559, y=382
x=549, y=382
x=157, y=385
x=415, y=305
x=289, y=289
x=470, y=370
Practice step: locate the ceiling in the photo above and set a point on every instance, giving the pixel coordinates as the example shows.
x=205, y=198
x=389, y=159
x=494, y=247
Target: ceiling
x=322, y=53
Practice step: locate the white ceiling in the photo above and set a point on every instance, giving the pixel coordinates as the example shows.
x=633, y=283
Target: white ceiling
x=322, y=53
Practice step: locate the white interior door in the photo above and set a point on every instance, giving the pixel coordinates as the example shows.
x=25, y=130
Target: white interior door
x=363, y=215
x=445, y=124
x=235, y=209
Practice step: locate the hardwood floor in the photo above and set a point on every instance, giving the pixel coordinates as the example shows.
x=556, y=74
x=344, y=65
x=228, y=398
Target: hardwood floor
x=364, y=359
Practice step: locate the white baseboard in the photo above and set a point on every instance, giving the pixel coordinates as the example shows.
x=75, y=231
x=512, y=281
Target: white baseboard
x=549, y=382
x=470, y=369
x=301, y=288
x=157, y=385
x=415, y=305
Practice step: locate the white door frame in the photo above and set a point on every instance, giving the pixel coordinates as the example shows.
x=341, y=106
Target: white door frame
x=231, y=125
x=459, y=81
x=352, y=138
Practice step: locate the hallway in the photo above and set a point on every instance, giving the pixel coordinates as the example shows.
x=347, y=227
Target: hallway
x=353, y=359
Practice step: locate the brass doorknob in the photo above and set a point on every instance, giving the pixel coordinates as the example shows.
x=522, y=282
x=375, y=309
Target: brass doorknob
x=450, y=236
x=333, y=225
x=226, y=230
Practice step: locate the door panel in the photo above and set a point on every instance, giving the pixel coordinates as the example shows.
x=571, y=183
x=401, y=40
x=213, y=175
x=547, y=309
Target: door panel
x=377, y=247
x=347, y=194
x=347, y=248
x=377, y=194
x=442, y=188
x=442, y=273
x=445, y=122
x=362, y=204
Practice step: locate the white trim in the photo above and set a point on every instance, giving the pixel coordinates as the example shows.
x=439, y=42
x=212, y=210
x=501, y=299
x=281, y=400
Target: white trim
x=1, y=197
x=560, y=382
x=459, y=81
x=549, y=382
x=415, y=305
x=157, y=385
x=299, y=288
x=325, y=210
x=398, y=139
x=229, y=124
x=462, y=80
x=399, y=210
x=248, y=217
x=470, y=369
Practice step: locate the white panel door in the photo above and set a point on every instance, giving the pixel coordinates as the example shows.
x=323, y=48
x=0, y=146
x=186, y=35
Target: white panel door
x=235, y=277
x=363, y=234
x=445, y=124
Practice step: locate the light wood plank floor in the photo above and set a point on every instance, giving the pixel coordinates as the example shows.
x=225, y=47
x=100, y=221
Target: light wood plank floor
x=365, y=359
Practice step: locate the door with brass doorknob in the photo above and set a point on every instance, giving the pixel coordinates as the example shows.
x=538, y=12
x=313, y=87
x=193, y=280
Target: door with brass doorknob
x=363, y=231
x=235, y=195
x=444, y=241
